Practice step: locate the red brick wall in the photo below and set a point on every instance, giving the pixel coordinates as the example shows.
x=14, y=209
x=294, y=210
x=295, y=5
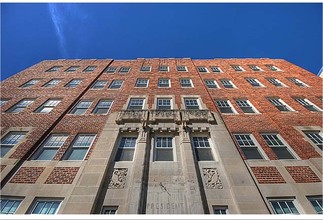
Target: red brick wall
x=267, y=175
x=27, y=175
x=302, y=174
x=62, y=175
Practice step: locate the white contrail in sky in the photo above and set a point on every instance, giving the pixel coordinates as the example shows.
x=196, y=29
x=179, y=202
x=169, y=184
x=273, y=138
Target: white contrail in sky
x=58, y=24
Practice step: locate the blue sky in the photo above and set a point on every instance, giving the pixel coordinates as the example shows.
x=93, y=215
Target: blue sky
x=33, y=32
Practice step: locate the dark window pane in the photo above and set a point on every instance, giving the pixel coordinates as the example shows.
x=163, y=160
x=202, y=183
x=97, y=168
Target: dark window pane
x=124, y=154
x=203, y=154
x=282, y=153
x=164, y=154
x=251, y=153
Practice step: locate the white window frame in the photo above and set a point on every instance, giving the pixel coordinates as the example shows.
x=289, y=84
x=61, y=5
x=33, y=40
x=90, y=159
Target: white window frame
x=305, y=102
x=164, y=98
x=50, y=83
x=255, y=68
x=290, y=109
x=74, y=85
x=70, y=148
x=272, y=67
x=287, y=199
x=108, y=71
x=227, y=83
x=164, y=148
x=72, y=69
x=95, y=86
x=15, y=199
x=142, y=69
x=256, y=145
x=169, y=83
x=216, y=67
x=167, y=67
x=250, y=81
x=76, y=107
x=40, y=199
x=285, y=144
x=136, y=85
x=191, y=98
x=134, y=98
x=54, y=69
x=215, y=83
x=9, y=145
x=315, y=143
x=44, y=146
x=30, y=83
x=238, y=68
x=298, y=82
x=250, y=105
x=185, y=67
x=129, y=135
x=19, y=105
x=202, y=69
x=113, y=83
x=315, y=198
x=234, y=111
x=271, y=79
x=46, y=105
x=89, y=68
x=97, y=106
x=211, y=147
x=122, y=71
x=189, y=79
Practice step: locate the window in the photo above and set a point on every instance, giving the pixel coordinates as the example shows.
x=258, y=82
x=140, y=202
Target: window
x=49, y=149
x=279, y=148
x=135, y=103
x=202, y=149
x=211, y=83
x=220, y=210
x=307, y=104
x=20, y=105
x=237, y=68
x=276, y=82
x=254, y=82
x=142, y=83
x=181, y=68
x=52, y=83
x=116, y=84
x=164, y=149
x=89, y=69
x=80, y=147
x=30, y=83
x=72, y=69
x=297, y=82
x=102, y=107
x=255, y=68
x=124, y=69
x=272, y=67
x=227, y=83
x=48, y=106
x=246, y=106
x=54, y=69
x=202, y=69
x=9, y=206
x=164, y=104
x=163, y=68
x=126, y=149
x=46, y=207
x=280, y=105
x=109, y=210
x=145, y=69
x=315, y=137
x=81, y=107
x=99, y=84
x=3, y=101
x=10, y=140
x=191, y=103
x=283, y=206
x=186, y=83
x=110, y=69
x=73, y=83
x=225, y=106
x=248, y=146
x=163, y=83
x=316, y=203
x=216, y=69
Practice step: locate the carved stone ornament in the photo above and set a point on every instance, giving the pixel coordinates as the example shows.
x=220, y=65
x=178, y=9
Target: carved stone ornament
x=212, y=178
x=118, y=179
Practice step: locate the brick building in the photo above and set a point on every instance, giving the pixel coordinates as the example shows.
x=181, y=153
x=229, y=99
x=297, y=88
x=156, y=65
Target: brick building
x=162, y=136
